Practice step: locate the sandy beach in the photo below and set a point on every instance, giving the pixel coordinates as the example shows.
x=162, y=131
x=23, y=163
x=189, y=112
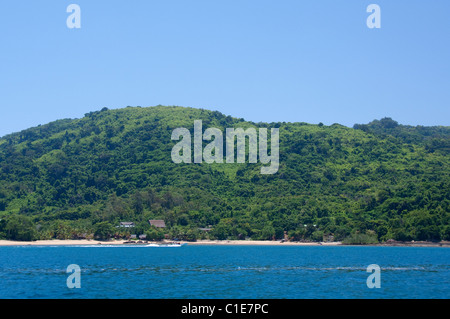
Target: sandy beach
x=83, y=242
x=289, y=243
x=261, y=243
x=57, y=242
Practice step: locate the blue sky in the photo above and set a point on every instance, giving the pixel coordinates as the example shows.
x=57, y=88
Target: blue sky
x=288, y=60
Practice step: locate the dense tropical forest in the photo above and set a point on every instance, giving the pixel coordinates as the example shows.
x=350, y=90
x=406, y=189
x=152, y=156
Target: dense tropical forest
x=80, y=178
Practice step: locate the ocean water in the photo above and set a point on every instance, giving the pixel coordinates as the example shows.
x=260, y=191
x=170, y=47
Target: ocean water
x=224, y=272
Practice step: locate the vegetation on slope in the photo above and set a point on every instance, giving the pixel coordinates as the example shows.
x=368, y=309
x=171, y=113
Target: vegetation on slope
x=79, y=178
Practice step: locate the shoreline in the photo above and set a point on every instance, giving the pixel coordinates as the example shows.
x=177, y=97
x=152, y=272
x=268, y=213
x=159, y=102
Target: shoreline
x=84, y=242
x=60, y=242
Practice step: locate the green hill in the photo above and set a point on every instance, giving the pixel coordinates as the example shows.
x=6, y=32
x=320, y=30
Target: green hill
x=72, y=178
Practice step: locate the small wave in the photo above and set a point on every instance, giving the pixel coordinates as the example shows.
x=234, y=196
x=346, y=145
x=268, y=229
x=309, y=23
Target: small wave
x=403, y=268
x=328, y=268
x=95, y=246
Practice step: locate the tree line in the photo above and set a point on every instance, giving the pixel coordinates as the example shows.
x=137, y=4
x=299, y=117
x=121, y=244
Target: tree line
x=80, y=178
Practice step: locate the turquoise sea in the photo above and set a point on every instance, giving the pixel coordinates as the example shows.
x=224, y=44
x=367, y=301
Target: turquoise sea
x=223, y=272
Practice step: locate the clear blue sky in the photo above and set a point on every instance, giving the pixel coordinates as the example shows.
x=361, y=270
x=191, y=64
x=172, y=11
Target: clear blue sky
x=288, y=60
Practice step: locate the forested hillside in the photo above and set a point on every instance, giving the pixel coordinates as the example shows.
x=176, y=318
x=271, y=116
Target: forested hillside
x=75, y=178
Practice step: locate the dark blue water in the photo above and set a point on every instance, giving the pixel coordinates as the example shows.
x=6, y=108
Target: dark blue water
x=251, y=272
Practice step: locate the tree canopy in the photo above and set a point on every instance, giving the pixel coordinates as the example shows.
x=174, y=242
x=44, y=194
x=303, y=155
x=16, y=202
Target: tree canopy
x=81, y=177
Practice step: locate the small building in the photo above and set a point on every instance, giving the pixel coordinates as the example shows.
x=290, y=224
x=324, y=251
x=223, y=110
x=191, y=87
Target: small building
x=133, y=237
x=126, y=224
x=142, y=236
x=159, y=223
x=205, y=229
